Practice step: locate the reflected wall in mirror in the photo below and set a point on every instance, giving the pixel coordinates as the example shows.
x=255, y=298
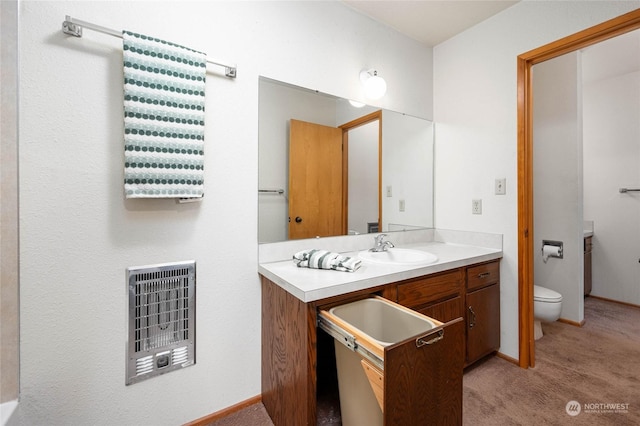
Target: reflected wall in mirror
x=380, y=179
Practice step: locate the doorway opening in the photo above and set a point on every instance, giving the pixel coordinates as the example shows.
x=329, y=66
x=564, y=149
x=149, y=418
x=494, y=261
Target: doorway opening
x=609, y=29
x=350, y=176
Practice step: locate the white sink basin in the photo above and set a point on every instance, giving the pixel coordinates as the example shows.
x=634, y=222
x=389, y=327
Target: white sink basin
x=398, y=256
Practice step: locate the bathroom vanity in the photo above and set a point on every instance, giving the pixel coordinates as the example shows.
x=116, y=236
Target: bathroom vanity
x=471, y=292
x=461, y=290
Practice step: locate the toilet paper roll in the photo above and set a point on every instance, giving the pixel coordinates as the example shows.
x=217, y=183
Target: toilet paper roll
x=550, y=251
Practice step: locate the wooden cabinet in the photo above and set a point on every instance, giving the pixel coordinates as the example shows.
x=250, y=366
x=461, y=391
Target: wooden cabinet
x=588, y=246
x=438, y=296
x=416, y=387
x=483, y=322
x=472, y=293
x=425, y=382
x=415, y=377
x=419, y=384
x=483, y=310
x=288, y=357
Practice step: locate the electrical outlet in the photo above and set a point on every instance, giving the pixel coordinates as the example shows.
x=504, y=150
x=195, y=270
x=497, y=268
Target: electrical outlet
x=501, y=186
x=476, y=206
x=401, y=206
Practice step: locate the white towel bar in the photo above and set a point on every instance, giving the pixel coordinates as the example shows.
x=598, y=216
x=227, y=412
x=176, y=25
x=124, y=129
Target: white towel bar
x=72, y=26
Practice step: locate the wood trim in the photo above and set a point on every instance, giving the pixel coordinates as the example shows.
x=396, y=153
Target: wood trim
x=360, y=121
x=604, y=31
x=218, y=415
x=380, y=173
x=574, y=323
x=508, y=358
x=376, y=380
x=615, y=301
x=525, y=216
x=345, y=182
x=596, y=34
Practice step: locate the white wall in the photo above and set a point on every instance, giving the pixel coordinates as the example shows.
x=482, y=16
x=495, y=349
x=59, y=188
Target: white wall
x=363, y=176
x=476, y=132
x=407, y=148
x=611, y=96
x=557, y=176
x=278, y=104
x=9, y=261
x=78, y=234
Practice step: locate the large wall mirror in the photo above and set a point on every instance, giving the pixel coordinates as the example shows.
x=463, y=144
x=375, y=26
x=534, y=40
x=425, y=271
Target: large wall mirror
x=328, y=167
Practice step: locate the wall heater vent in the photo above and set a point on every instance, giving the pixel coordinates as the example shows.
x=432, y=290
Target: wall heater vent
x=161, y=319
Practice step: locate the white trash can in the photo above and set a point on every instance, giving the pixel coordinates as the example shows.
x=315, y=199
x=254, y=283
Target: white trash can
x=363, y=328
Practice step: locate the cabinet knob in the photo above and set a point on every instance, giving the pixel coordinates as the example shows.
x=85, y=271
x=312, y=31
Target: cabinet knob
x=298, y=219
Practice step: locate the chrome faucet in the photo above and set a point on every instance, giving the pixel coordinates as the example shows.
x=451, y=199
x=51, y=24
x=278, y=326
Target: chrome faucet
x=380, y=244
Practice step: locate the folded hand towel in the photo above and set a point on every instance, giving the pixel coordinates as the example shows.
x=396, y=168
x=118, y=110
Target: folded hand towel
x=324, y=259
x=164, y=86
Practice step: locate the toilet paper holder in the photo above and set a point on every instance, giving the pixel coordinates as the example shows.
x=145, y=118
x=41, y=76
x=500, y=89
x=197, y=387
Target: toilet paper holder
x=553, y=249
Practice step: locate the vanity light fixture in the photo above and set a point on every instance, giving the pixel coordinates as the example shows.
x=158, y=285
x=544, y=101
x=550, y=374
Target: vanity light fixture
x=374, y=86
x=356, y=104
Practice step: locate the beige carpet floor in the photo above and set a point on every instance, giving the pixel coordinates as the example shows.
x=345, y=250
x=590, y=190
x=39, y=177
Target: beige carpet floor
x=597, y=366
x=595, y=369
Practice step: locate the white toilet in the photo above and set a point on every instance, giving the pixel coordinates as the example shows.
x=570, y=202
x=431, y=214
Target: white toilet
x=547, y=305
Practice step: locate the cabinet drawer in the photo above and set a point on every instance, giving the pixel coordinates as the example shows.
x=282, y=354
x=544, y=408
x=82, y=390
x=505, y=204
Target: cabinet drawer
x=483, y=275
x=430, y=289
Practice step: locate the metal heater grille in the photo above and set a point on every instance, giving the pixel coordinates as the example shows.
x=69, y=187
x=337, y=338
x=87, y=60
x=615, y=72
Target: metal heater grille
x=161, y=319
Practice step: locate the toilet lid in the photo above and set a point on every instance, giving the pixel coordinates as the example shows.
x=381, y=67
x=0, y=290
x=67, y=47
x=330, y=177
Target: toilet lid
x=546, y=294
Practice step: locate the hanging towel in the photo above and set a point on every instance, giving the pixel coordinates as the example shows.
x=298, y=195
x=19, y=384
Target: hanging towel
x=324, y=259
x=164, y=88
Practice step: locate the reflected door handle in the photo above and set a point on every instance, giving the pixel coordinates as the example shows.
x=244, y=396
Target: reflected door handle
x=298, y=219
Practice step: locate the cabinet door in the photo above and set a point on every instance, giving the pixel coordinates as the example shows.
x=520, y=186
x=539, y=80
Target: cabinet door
x=483, y=322
x=444, y=311
x=423, y=381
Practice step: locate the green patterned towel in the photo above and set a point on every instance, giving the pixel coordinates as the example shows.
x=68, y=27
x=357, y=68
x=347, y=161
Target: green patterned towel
x=163, y=118
x=324, y=259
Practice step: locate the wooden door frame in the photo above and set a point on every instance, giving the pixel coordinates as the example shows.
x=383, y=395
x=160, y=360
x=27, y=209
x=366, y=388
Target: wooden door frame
x=346, y=127
x=604, y=31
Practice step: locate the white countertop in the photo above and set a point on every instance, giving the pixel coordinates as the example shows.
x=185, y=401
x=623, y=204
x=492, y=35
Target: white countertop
x=310, y=285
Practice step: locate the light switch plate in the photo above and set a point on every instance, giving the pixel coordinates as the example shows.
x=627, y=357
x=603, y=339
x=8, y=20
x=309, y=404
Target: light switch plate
x=501, y=186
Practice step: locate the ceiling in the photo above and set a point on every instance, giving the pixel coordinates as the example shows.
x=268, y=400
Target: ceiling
x=429, y=21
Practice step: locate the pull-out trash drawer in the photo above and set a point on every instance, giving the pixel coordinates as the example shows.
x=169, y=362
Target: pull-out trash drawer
x=395, y=366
